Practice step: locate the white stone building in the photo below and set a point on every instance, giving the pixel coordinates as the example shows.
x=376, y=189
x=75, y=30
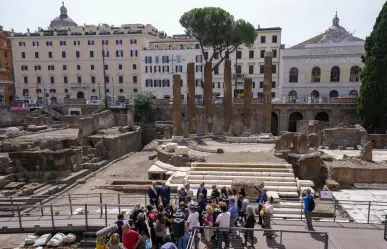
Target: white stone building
x=322, y=68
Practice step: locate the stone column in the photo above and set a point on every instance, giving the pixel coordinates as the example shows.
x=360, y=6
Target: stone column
x=177, y=125
x=191, y=110
x=227, y=100
x=267, y=87
x=247, y=105
x=208, y=95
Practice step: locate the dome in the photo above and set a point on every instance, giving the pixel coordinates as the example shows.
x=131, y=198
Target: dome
x=63, y=20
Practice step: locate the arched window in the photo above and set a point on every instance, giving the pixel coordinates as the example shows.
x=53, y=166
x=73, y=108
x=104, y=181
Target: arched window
x=353, y=94
x=292, y=96
x=293, y=75
x=354, y=75
x=335, y=74
x=333, y=94
x=316, y=74
x=315, y=94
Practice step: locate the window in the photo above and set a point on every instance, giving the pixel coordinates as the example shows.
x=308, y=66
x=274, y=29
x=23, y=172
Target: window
x=292, y=96
x=251, y=69
x=23, y=55
x=133, y=41
x=273, y=84
x=353, y=94
x=262, y=53
x=178, y=58
x=90, y=42
x=38, y=80
x=239, y=54
x=63, y=54
x=121, y=90
x=119, y=53
x=165, y=59
x=118, y=42
x=77, y=43
x=335, y=74
x=354, y=75
x=120, y=67
x=78, y=67
x=107, y=90
x=91, y=54
x=148, y=59
x=22, y=44
x=51, y=68
x=148, y=83
x=37, y=68
x=26, y=80
x=77, y=54
x=261, y=84
x=39, y=90
x=52, y=80
x=146, y=69
x=106, y=67
x=216, y=70
x=134, y=79
x=92, y=79
x=134, y=90
x=25, y=92
x=49, y=54
x=251, y=54
x=62, y=43
x=49, y=43
x=65, y=79
x=105, y=42
x=315, y=94
x=179, y=68
x=333, y=94
x=35, y=44
x=134, y=66
x=273, y=68
x=105, y=53
x=274, y=51
x=133, y=53
x=293, y=75
x=260, y=95
x=205, y=54
x=93, y=90
x=253, y=84
x=273, y=95
x=261, y=69
x=36, y=54
x=120, y=79
x=239, y=69
x=157, y=59
x=216, y=56
x=316, y=74
x=66, y=90
x=199, y=68
x=199, y=58
x=79, y=79
x=274, y=39
x=263, y=39
x=24, y=68
x=150, y=69
x=91, y=67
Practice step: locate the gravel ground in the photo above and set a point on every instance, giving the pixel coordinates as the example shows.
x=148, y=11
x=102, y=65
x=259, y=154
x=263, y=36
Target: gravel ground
x=12, y=240
x=355, y=163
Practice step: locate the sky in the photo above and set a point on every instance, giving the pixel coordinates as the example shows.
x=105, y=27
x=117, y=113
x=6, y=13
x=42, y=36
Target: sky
x=299, y=19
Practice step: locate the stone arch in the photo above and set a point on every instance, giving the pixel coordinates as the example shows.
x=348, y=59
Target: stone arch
x=274, y=124
x=353, y=94
x=80, y=95
x=333, y=94
x=322, y=116
x=293, y=118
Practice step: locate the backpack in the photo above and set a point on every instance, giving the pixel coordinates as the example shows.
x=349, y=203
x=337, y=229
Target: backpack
x=152, y=216
x=311, y=204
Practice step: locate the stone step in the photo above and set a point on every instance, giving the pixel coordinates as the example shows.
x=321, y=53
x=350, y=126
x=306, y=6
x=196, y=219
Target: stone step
x=281, y=181
x=288, y=205
x=243, y=165
x=288, y=175
x=282, y=188
x=287, y=211
x=285, y=170
x=286, y=194
x=288, y=216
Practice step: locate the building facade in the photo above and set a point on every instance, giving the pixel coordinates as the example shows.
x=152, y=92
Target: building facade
x=323, y=68
x=7, y=92
x=73, y=61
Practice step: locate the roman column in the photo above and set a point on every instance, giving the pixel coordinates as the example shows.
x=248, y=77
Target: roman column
x=247, y=105
x=267, y=87
x=191, y=111
x=177, y=125
x=208, y=95
x=227, y=98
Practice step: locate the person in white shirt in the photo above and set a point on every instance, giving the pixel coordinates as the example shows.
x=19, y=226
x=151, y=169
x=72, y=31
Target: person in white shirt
x=223, y=221
x=189, y=191
x=192, y=222
x=190, y=202
x=267, y=213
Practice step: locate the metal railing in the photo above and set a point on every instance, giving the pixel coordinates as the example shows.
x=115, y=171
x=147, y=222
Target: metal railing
x=327, y=242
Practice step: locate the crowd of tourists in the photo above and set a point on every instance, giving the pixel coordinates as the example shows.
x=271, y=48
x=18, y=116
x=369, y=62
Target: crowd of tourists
x=168, y=223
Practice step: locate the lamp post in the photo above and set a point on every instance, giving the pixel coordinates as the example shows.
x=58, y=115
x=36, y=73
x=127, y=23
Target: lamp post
x=104, y=75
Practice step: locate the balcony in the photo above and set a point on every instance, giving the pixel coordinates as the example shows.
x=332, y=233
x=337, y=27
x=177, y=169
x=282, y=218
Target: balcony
x=238, y=75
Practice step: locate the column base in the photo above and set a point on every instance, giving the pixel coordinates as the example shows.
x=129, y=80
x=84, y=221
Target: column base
x=177, y=138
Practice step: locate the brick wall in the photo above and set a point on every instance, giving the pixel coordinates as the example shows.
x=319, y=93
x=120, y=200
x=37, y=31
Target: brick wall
x=348, y=175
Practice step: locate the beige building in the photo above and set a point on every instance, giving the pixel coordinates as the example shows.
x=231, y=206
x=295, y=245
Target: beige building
x=66, y=60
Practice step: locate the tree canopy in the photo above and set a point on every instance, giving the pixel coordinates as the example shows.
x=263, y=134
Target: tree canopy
x=215, y=28
x=143, y=105
x=372, y=105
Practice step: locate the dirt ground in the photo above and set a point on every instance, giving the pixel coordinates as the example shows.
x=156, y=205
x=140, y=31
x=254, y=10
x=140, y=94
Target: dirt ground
x=12, y=240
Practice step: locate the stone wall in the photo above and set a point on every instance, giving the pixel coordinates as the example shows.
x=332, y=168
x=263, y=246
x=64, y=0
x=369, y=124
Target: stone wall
x=379, y=140
x=90, y=125
x=312, y=126
x=86, y=127
x=70, y=119
x=347, y=175
x=346, y=137
x=12, y=118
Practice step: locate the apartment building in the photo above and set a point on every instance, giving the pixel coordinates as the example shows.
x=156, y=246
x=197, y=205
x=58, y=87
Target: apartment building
x=7, y=92
x=72, y=61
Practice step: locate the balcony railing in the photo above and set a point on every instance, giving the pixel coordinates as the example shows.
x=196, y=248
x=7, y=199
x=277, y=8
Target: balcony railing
x=322, y=100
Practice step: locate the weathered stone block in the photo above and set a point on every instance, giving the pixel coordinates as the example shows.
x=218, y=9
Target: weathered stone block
x=366, y=152
x=332, y=185
x=12, y=131
x=181, y=150
x=35, y=128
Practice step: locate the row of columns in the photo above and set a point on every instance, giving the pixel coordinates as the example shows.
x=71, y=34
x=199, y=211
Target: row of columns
x=227, y=101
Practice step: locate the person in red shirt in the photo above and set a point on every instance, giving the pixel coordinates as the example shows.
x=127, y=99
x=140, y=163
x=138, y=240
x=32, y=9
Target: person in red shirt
x=131, y=239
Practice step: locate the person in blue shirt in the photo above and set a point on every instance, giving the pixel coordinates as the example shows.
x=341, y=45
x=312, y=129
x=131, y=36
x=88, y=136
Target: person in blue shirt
x=307, y=195
x=262, y=199
x=165, y=194
x=233, y=209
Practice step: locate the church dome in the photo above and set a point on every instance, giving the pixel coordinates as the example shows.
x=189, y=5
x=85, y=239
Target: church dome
x=63, y=20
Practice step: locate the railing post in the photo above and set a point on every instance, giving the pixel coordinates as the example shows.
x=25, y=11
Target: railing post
x=71, y=207
x=20, y=221
x=119, y=203
x=41, y=208
x=106, y=223
x=13, y=212
x=87, y=226
x=326, y=242
x=281, y=237
x=334, y=214
x=100, y=202
x=369, y=211
x=52, y=218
